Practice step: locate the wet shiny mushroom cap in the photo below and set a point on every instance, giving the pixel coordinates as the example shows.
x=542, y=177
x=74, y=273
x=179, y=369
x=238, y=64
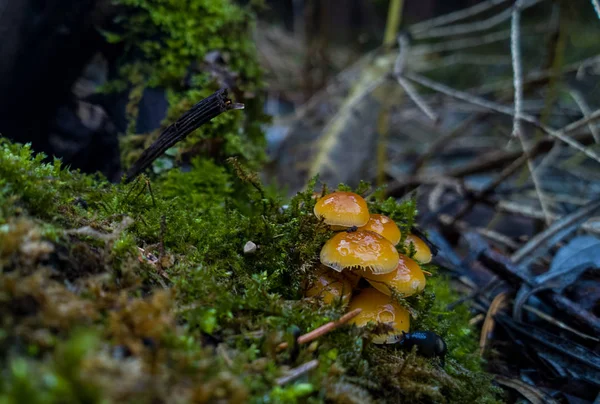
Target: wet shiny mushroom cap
x=407, y=278
x=342, y=210
x=384, y=226
x=329, y=286
x=361, y=249
x=379, y=308
x=422, y=251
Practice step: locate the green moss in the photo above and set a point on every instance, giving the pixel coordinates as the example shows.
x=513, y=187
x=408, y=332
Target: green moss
x=166, y=43
x=192, y=318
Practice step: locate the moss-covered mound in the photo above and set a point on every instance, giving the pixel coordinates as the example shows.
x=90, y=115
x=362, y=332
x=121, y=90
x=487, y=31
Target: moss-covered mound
x=142, y=293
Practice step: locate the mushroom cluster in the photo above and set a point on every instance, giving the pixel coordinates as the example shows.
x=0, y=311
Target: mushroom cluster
x=365, y=247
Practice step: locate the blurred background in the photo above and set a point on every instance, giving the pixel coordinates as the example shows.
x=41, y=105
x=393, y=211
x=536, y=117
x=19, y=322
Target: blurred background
x=326, y=81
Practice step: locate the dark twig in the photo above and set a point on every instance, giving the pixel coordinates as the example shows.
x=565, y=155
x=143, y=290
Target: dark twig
x=197, y=116
x=540, y=244
x=503, y=267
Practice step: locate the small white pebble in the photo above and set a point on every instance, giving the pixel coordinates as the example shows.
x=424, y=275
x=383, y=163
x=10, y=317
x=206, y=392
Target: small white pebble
x=250, y=248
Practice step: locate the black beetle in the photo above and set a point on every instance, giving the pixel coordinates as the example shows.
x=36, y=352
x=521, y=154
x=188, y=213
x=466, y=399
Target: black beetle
x=428, y=344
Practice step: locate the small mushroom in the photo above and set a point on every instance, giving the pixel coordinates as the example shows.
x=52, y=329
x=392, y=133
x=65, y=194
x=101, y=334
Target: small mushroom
x=407, y=278
x=341, y=210
x=383, y=225
x=422, y=251
x=361, y=249
x=329, y=286
x=379, y=308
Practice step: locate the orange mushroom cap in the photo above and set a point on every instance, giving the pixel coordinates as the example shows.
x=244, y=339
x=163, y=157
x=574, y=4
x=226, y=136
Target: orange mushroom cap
x=330, y=286
x=342, y=210
x=380, y=308
x=362, y=249
x=422, y=251
x=383, y=225
x=407, y=278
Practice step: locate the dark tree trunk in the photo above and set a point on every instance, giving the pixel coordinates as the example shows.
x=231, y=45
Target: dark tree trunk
x=44, y=46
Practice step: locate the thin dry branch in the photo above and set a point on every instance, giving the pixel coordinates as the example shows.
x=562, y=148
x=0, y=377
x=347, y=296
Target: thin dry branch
x=455, y=16
x=517, y=131
x=530, y=212
x=474, y=27
x=585, y=110
x=463, y=43
x=322, y=330
x=403, y=50
x=297, y=372
x=515, y=49
x=466, y=59
x=559, y=134
x=540, y=75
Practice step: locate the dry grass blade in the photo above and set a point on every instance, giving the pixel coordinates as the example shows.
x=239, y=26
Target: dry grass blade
x=557, y=323
x=529, y=392
x=540, y=244
x=499, y=303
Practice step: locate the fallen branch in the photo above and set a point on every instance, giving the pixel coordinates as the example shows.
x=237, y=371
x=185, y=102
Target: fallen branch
x=197, y=116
